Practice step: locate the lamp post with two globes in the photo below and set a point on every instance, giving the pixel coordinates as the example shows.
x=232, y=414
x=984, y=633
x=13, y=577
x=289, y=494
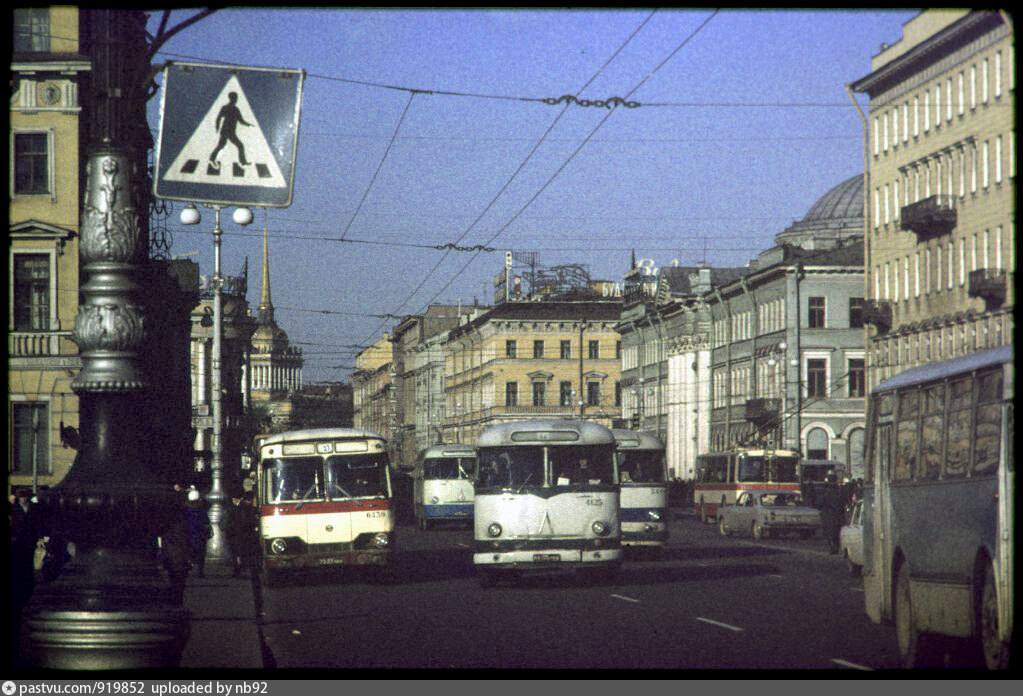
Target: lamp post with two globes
x=217, y=548
x=779, y=358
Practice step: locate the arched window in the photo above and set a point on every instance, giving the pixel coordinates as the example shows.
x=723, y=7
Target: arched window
x=855, y=454
x=817, y=444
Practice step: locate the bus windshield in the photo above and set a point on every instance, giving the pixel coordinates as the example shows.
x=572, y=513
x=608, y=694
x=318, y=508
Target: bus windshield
x=449, y=468
x=294, y=479
x=582, y=465
x=502, y=467
x=357, y=475
x=642, y=467
x=773, y=469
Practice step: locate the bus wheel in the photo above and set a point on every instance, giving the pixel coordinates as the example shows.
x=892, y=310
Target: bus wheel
x=917, y=649
x=758, y=531
x=854, y=570
x=723, y=528
x=996, y=652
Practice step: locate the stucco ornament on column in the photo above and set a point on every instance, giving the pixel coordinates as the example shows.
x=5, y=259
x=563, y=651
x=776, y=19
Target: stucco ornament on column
x=110, y=326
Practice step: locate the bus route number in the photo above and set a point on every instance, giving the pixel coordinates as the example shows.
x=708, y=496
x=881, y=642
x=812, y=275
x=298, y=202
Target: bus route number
x=376, y=513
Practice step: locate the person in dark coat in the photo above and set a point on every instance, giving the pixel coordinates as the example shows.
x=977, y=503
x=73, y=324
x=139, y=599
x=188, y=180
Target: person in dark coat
x=832, y=507
x=25, y=532
x=199, y=530
x=242, y=523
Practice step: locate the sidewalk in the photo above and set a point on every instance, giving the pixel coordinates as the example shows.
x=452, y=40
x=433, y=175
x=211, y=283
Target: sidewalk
x=224, y=623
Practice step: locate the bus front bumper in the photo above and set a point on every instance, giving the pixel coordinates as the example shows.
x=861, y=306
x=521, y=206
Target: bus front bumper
x=547, y=559
x=313, y=559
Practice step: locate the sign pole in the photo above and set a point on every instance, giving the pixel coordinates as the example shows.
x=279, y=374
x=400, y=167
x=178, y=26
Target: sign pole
x=216, y=549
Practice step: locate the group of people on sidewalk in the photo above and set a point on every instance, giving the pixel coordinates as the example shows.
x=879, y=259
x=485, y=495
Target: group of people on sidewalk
x=239, y=524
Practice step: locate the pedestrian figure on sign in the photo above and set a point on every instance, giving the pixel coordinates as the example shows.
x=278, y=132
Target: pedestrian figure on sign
x=199, y=530
x=227, y=123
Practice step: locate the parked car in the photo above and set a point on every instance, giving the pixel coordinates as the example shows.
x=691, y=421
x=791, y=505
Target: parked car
x=850, y=539
x=764, y=512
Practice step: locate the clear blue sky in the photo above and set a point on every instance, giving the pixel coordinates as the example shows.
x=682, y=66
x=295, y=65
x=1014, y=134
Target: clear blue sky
x=744, y=123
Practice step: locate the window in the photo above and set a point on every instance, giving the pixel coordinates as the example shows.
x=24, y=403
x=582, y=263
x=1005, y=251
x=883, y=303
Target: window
x=593, y=393
x=817, y=378
x=32, y=30
x=509, y=349
x=30, y=443
x=932, y=432
x=566, y=350
x=962, y=93
x=618, y=350
x=816, y=309
x=511, y=394
x=31, y=292
x=537, y=349
x=539, y=393
x=565, y=394
x=618, y=394
x=855, y=312
x=857, y=378
x=817, y=444
x=906, y=436
x=594, y=349
x=957, y=457
x=31, y=163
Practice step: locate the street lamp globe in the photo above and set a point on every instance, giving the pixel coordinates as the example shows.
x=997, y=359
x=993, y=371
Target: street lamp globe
x=242, y=216
x=190, y=215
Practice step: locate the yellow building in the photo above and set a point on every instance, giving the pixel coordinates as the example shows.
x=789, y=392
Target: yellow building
x=373, y=395
x=522, y=360
x=940, y=239
x=46, y=154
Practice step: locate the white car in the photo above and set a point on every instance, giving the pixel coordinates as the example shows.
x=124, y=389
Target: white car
x=769, y=512
x=850, y=539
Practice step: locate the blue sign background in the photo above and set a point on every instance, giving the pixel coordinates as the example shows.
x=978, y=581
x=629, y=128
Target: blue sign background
x=189, y=92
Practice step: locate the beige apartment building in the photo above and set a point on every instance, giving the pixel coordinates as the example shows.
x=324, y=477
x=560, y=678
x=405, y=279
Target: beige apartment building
x=940, y=253
x=45, y=159
x=522, y=360
x=373, y=394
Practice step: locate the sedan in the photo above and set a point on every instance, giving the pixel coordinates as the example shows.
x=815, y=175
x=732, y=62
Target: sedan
x=763, y=513
x=850, y=540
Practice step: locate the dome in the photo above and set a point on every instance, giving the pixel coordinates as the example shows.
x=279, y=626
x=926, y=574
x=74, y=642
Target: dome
x=838, y=214
x=843, y=202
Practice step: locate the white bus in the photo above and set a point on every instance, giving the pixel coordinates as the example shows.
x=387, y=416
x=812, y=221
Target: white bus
x=546, y=499
x=442, y=484
x=643, y=473
x=324, y=498
x=938, y=506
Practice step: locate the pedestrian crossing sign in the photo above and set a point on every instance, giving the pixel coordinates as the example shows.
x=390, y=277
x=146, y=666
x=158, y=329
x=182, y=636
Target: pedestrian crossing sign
x=228, y=134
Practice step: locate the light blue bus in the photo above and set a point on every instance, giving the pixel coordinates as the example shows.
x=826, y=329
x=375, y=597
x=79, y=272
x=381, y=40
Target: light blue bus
x=938, y=506
x=643, y=473
x=442, y=484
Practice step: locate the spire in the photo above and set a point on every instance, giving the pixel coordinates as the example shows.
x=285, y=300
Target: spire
x=266, y=307
x=633, y=260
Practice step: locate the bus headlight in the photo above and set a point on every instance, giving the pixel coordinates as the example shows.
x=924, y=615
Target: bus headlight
x=600, y=528
x=278, y=546
x=494, y=529
x=381, y=540
x=654, y=515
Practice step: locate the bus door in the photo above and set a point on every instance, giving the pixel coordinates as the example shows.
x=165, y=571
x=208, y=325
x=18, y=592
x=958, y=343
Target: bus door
x=882, y=538
x=1006, y=520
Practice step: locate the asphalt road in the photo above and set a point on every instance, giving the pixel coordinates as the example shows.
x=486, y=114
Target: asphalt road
x=707, y=602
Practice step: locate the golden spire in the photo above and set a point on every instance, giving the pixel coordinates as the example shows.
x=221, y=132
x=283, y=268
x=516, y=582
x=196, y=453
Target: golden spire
x=266, y=307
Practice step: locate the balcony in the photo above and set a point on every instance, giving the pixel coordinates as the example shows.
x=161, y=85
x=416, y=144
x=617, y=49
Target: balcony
x=760, y=410
x=32, y=344
x=878, y=313
x=931, y=217
x=990, y=284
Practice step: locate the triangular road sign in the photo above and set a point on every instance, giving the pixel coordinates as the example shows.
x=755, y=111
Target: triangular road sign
x=228, y=147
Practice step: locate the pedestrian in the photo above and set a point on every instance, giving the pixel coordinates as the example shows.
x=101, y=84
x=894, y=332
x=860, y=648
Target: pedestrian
x=25, y=532
x=175, y=546
x=199, y=530
x=832, y=507
x=242, y=525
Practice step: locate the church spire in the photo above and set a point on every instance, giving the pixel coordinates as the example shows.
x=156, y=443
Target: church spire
x=266, y=307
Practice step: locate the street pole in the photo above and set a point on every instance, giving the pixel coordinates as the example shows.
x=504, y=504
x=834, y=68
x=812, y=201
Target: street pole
x=216, y=548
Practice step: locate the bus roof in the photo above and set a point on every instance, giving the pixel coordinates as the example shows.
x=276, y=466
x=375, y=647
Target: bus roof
x=319, y=434
x=755, y=452
x=946, y=368
x=452, y=450
x=546, y=431
x=636, y=439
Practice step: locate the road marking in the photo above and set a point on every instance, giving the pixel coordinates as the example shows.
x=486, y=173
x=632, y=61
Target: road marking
x=718, y=623
x=775, y=575
x=851, y=665
x=856, y=589
x=464, y=546
x=627, y=599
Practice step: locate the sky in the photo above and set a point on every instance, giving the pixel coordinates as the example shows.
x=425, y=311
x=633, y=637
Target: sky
x=433, y=141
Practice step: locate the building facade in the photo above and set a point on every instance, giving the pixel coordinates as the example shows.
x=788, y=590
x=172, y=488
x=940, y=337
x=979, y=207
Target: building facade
x=373, y=394
x=533, y=359
x=49, y=73
x=940, y=246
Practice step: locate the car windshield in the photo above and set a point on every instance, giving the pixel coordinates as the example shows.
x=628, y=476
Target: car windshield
x=449, y=468
x=642, y=467
x=781, y=500
x=357, y=475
